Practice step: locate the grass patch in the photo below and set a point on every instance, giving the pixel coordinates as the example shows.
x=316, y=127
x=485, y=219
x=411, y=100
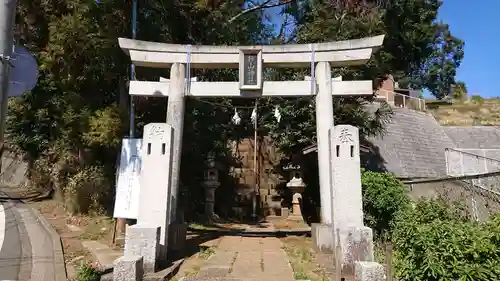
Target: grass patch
x=198, y=226
x=474, y=112
x=303, y=259
x=206, y=252
x=192, y=271
x=300, y=275
x=300, y=254
x=97, y=228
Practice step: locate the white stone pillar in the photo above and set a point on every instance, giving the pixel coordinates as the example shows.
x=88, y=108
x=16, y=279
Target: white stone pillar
x=175, y=118
x=154, y=203
x=346, y=176
x=324, y=121
x=355, y=239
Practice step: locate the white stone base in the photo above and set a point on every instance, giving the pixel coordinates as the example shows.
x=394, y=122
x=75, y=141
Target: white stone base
x=322, y=237
x=357, y=245
x=128, y=268
x=369, y=271
x=143, y=240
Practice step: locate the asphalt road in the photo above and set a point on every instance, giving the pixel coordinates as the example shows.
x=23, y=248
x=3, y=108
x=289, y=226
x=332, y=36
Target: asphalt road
x=19, y=260
x=10, y=241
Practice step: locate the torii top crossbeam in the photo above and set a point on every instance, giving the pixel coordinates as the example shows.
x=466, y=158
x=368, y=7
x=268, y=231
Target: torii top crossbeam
x=339, y=53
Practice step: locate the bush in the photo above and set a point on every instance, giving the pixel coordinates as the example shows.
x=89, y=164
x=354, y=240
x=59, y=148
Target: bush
x=52, y=170
x=88, y=272
x=477, y=99
x=88, y=190
x=436, y=241
x=383, y=197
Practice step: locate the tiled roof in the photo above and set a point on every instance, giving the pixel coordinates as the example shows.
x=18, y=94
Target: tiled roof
x=484, y=137
x=413, y=146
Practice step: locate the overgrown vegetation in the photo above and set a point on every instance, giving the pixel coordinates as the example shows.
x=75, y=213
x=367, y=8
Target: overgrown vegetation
x=206, y=252
x=383, y=197
x=432, y=239
x=302, y=259
x=436, y=240
x=476, y=111
x=88, y=272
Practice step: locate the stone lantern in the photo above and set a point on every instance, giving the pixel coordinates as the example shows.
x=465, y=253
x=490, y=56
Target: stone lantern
x=297, y=186
x=211, y=182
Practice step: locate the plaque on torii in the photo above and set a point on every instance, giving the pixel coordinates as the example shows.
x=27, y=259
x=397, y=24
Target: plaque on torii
x=250, y=69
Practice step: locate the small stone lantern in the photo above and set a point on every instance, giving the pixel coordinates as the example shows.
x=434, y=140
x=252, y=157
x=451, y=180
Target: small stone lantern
x=211, y=183
x=297, y=186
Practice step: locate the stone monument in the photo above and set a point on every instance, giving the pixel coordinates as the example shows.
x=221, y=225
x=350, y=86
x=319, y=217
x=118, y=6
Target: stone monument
x=355, y=239
x=154, y=197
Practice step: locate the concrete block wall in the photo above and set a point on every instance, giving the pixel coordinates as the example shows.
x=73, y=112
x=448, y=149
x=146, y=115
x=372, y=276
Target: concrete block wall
x=14, y=170
x=267, y=158
x=478, y=201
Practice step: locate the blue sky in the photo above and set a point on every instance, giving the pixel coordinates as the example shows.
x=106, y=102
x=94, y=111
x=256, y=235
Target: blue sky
x=478, y=24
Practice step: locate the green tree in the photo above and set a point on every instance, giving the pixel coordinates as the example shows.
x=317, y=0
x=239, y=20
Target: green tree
x=459, y=91
x=418, y=50
x=72, y=123
x=440, y=68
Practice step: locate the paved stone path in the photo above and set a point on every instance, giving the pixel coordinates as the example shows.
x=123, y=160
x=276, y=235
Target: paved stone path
x=246, y=259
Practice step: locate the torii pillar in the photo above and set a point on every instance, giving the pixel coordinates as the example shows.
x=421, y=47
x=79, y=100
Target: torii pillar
x=175, y=118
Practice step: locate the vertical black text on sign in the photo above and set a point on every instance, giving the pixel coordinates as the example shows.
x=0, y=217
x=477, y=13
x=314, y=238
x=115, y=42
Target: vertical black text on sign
x=250, y=69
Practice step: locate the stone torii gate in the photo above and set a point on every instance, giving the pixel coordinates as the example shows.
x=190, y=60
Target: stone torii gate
x=251, y=60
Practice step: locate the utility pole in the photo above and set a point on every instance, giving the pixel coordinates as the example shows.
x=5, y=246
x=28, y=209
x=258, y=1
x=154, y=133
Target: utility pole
x=7, y=16
x=121, y=223
x=255, y=170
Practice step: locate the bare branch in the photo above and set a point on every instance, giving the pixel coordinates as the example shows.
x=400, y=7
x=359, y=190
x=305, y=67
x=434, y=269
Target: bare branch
x=264, y=5
x=282, y=28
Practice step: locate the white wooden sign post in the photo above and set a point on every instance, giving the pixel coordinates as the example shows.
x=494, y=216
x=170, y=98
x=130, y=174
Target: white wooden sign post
x=127, y=183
